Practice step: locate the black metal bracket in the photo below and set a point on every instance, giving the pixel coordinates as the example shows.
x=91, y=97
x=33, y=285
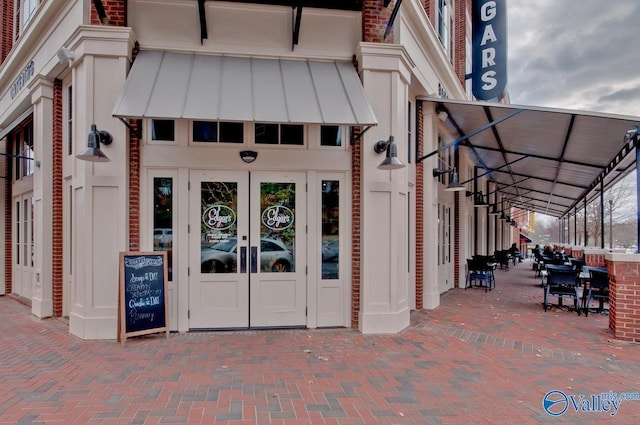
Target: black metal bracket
x=135, y=131
x=295, y=37
x=356, y=138
x=392, y=18
x=102, y=15
x=203, y=20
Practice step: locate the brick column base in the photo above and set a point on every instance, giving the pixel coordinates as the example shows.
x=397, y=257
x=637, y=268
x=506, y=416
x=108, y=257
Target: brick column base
x=624, y=296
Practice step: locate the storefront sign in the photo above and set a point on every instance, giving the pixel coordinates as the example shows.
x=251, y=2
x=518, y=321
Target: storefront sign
x=219, y=217
x=277, y=217
x=23, y=78
x=489, y=57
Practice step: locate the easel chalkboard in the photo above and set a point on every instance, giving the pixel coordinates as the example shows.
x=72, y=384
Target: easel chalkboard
x=143, y=294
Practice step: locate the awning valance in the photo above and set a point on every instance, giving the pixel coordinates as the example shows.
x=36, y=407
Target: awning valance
x=165, y=85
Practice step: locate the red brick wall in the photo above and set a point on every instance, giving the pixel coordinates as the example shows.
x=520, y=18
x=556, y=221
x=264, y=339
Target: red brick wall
x=134, y=178
x=6, y=28
x=594, y=260
x=355, y=232
x=419, y=208
x=460, y=27
x=374, y=21
x=8, y=223
x=56, y=214
x=116, y=11
x=624, y=300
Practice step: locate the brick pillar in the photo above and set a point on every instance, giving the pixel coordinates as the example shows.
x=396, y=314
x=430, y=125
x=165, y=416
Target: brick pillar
x=624, y=296
x=595, y=258
x=116, y=11
x=419, y=207
x=57, y=207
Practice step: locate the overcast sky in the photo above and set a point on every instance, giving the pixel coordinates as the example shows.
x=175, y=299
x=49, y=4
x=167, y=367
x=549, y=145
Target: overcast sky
x=575, y=54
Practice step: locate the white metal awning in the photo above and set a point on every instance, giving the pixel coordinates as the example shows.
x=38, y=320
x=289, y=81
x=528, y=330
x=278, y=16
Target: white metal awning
x=165, y=85
x=542, y=159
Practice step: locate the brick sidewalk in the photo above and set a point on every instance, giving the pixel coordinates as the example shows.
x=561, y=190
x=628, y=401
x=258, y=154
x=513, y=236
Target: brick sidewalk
x=480, y=358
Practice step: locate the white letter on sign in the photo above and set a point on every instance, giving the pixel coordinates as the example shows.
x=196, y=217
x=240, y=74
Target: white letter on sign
x=488, y=57
x=488, y=11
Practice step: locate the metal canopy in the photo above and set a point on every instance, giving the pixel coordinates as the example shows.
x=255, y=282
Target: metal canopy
x=542, y=159
x=208, y=87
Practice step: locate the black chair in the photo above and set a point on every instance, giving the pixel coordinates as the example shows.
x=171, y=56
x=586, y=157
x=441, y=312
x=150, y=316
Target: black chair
x=502, y=258
x=577, y=264
x=561, y=282
x=479, y=274
x=598, y=290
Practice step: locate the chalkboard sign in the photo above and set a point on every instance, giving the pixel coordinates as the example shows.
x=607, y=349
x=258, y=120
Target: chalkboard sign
x=143, y=294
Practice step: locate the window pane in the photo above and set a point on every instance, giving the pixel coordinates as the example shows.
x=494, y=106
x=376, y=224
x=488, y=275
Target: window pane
x=163, y=218
x=205, y=131
x=231, y=132
x=163, y=130
x=277, y=227
x=330, y=229
x=331, y=135
x=219, y=227
x=291, y=134
x=267, y=133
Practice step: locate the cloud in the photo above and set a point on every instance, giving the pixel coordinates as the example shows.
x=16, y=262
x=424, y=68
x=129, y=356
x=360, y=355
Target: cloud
x=577, y=54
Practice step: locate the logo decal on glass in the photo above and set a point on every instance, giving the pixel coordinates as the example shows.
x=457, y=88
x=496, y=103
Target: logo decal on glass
x=219, y=217
x=277, y=218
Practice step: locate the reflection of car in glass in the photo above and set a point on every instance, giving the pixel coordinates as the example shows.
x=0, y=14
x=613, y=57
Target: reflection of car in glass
x=162, y=236
x=330, y=256
x=330, y=250
x=222, y=257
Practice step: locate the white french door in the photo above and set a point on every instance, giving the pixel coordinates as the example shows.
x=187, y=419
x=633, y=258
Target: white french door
x=248, y=250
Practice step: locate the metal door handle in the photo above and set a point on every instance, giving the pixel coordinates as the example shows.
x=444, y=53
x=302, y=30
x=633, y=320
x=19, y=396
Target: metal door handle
x=254, y=259
x=243, y=259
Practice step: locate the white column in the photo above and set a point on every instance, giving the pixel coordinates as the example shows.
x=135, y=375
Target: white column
x=100, y=190
x=42, y=100
x=384, y=229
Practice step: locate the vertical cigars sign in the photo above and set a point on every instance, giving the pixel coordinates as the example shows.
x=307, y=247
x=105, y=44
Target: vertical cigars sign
x=489, y=52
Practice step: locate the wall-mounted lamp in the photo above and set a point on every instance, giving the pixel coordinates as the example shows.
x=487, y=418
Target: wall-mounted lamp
x=65, y=55
x=443, y=116
x=632, y=135
x=391, y=162
x=494, y=210
x=93, y=153
x=478, y=199
x=248, y=156
x=454, y=184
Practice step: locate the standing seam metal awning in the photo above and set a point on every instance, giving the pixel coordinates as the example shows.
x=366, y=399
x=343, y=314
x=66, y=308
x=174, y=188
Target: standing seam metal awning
x=542, y=159
x=165, y=85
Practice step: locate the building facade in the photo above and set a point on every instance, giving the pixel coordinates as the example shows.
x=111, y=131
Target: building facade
x=243, y=145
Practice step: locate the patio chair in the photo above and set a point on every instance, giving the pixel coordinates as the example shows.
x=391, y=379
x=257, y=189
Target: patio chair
x=502, y=258
x=598, y=290
x=561, y=283
x=479, y=274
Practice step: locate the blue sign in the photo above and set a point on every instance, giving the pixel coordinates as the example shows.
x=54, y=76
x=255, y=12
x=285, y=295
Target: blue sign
x=489, y=55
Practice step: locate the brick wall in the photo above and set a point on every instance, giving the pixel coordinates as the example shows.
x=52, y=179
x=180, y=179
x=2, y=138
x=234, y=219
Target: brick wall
x=594, y=260
x=460, y=28
x=624, y=300
x=116, y=11
x=57, y=209
x=8, y=222
x=374, y=21
x=6, y=28
x=419, y=208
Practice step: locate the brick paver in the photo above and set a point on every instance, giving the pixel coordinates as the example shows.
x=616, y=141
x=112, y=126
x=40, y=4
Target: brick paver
x=480, y=358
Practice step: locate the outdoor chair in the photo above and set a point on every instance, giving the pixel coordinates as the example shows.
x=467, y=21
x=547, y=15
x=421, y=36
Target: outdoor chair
x=502, y=258
x=479, y=274
x=561, y=283
x=598, y=290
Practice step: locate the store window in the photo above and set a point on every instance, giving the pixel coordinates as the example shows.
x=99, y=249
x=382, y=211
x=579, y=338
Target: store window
x=23, y=149
x=331, y=135
x=163, y=130
x=279, y=134
x=163, y=218
x=217, y=131
x=330, y=229
x=445, y=25
x=27, y=10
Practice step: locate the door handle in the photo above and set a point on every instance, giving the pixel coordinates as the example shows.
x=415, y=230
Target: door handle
x=254, y=259
x=243, y=259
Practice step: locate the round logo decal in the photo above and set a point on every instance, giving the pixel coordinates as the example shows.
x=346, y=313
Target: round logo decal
x=277, y=217
x=219, y=217
x=555, y=403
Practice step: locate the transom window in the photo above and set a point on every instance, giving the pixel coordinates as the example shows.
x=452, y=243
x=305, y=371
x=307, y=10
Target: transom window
x=217, y=131
x=23, y=149
x=163, y=130
x=331, y=135
x=279, y=134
